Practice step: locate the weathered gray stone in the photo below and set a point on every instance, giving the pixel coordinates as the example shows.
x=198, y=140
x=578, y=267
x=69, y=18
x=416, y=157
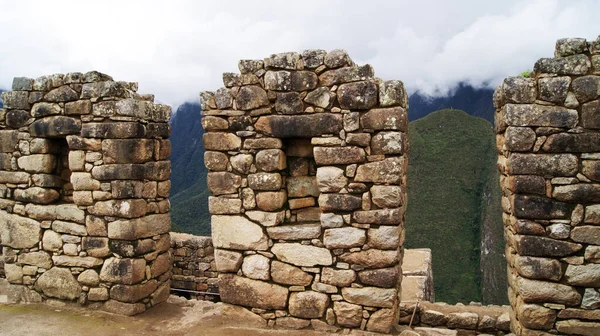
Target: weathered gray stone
x=37, y=163
x=528, y=115
x=337, y=58
x=126, y=270
x=266, y=218
x=39, y=259
x=242, y=163
x=15, y=100
x=336, y=277
x=519, y=139
x=220, y=183
x=393, y=118
x=586, y=88
x=265, y=181
x=331, y=220
x=383, y=277
x=300, y=126
x=18, y=232
x=590, y=115
x=570, y=65
x=535, y=291
x=338, y=155
x=133, y=293
x=320, y=97
x=89, y=278
x=389, y=170
x=16, y=118
x=313, y=58
x=554, y=89
x=545, y=247
x=386, y=196
x=212, y=123
x=251, y=293
x=543, y=164
x=519, y=90
x=346, y=74
x=586, y=234
x=224, y=206
x=289, y=103
x=36, y=195
x=570, y=46
x=576, y=143
x=302, y=255
x=308, y=304
x=302, y=186
x=59, y=283
x=358, y=95
x=387, y=143
x=248, y=235
x=285, y=274
x=51, y=241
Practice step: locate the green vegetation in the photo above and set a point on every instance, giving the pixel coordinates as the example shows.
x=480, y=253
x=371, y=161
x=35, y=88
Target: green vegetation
x=526, y=74
x=452, y=176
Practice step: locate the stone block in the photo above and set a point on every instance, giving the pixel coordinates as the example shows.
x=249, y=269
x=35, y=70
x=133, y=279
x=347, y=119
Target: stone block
x=143, y=227
x=300, y=126
x=336, y=277
x=535, y=291
x=302, y=255
x=295, y=232
x=575, y=143
x=569, y=65
x=220, y=183
x=256, y=267
x=338, y=155
x=383, y=277
x=124, y=271
x=371, y=258
x=224, y=206
x=342, y=238
x=391, y=118
x=361, y=95
x=387, y=143
x=55, y=126
x=339, y=202
x=58, y=283
x=37, y=163
x=308, y=304
x=384, y=237
x=19, y=232
x=220, y=141
x=370, y=296
x=127, y=150
x=251, y=293
x=538, y=268
x=536, y=207
x=286, y=274
x=347, y=314
x=265, y=181
x=113, y=130
x=249, y=236
x=271, y=200
x=389, y=170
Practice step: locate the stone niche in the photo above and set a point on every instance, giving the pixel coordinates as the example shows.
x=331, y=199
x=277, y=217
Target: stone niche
x=549, y=155
x=307, y=168
x=84, y=186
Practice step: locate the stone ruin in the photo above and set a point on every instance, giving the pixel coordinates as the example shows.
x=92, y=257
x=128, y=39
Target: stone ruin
x=549, y=143
x=84, y=181
x=307, y=159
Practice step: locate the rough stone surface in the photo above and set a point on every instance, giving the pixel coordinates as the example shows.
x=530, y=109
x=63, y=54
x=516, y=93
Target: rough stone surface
x=308, y=304
x=58, y=283
x=251, y=293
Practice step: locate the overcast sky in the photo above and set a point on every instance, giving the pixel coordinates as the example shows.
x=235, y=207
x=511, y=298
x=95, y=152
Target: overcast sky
x=175, y=49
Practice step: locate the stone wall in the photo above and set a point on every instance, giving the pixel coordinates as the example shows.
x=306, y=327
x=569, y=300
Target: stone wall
x=417, y=276
x=194, y=267
x=307, y=159
x=84, y=181
x=549, y=143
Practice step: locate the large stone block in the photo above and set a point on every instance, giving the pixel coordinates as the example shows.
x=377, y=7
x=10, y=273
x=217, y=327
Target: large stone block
x=220, y=141
x=339, y=155
x=348, y=314
x=341, y=238
x=251, y=97
x=59, y=283
x=8, y=141
x=371, y=258
x=383, y=277
x=271, y=200
x=381, y=216
x=543, y=164
x=251, y=293
x=133, y=293
x=529, y=115
x=237, y=233
x=302, y=255
x=384, y=237
x=389, y=170
x=587, y=234
x=38, y=258
x=578, y=193
x=143, y=227
x=570, y=65
x=123, y=270
x=300, y=126
x=56, y=126
x=392, y=118
x=113, y=130
x=536, y=246
x=538, y=268
x=36, y=195
x=286, y=274
x=570, y=142
x=264, y=181
x=295, y=232
x=127, y=150
x=535, y=291
x=302, y=186
x=536, y=207
x=388, y=143
x=19, y=232
x=37, y=163
x=75, y=261
x=220, y=183
x=269, y=160
x=127, y=208
x=583, y=275
x=339, y=202
x=361, y=95
x=370, y=296
x=308, y=304
x=337, y=277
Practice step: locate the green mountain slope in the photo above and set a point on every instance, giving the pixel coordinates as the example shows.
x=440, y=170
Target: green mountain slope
x=452, y=189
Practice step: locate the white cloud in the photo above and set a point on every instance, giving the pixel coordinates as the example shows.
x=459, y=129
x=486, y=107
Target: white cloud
x=175, y=49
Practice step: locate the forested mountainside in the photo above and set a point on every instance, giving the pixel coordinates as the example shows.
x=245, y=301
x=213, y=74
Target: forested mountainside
x=189, y=195
x=454, y=194
x=454, y=205
x=474, y=101
x=1, y=97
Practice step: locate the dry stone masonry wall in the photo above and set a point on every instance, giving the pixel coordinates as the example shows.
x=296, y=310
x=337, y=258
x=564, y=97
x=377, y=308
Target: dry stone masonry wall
x=549, y=143
x=84, y=181
x=307, y=159
x=194, y=267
